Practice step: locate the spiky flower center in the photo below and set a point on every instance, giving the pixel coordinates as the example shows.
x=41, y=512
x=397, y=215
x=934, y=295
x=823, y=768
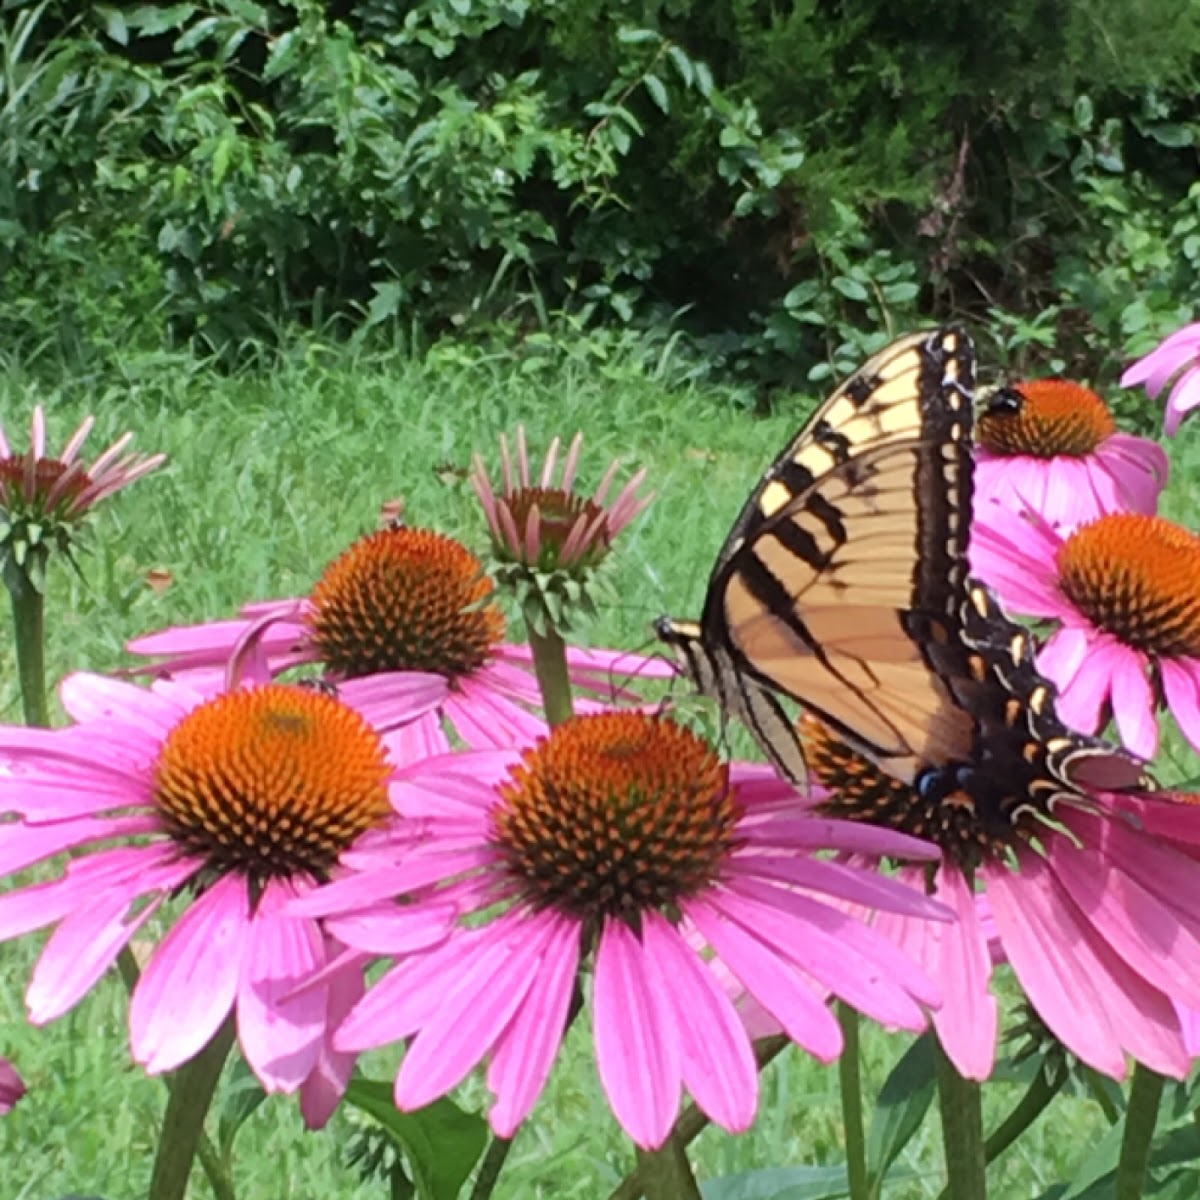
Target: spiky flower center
x=271, y=782
x=1045, y=418
x=405, y=599
x=1138, y=578
x=550, y=522
x=615, y=814
x=964, y=828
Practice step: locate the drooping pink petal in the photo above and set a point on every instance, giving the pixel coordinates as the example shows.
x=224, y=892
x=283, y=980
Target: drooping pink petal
x=80, y=950
x=638, y=1046
x=1092, y=1001
x=849, y=958
x=1142, y=930
x=1063, y=653
x=1185, y=396
x=829, y=833
x=393, y=929
x=189, y=984
x=968, y=1021
x=1133, y=703
x=867, y=888
x=477, y=1003
x=718, y=1065
x=790, y=998
x=1082, y=699
x=526, y=1049
x=392, y=698
x=23, y=844
x=280, y=1030
x=1181, y=689
x=487, y=721
x=327, y=1082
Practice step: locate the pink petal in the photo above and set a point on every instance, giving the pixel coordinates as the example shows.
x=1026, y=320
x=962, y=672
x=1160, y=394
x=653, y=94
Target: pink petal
x=393, y=929
x=526, y=1049
x=485, y=720
x=1143, y=931
x=392, y=698
x=89, y=697
x=479, y=999
x=326, y=1084
x=638, y=1050
x=827, y=833
x=280, y=1030
x=718, y=1065
x=867, y=888
x=1185, y=396
x=1088, y=997
x=771, y=980
x=850, y=959
x=1081, y=699
x=189, y=985
x=1133, y=704
x=1064, y=652
x=79, y=951
x=968, y=1021
x=1181, y=689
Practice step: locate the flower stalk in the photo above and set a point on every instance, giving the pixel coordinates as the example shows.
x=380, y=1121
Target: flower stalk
x=1141, y=1116
x=850, y=1082
x=550, y=667
x=29, y=627
x=191, y=1091
x=961, y=1106
x=665, y=1173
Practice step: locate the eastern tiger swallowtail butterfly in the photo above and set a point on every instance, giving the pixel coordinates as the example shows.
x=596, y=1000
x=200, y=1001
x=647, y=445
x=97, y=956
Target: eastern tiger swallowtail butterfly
x=844, y=586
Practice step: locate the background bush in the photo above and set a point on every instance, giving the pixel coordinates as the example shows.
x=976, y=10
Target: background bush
x=779, y=184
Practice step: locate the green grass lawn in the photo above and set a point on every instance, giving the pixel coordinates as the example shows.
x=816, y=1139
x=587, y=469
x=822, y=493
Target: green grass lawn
x=270, y=477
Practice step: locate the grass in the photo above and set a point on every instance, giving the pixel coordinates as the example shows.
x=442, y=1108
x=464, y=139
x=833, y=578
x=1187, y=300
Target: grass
x=271, y=475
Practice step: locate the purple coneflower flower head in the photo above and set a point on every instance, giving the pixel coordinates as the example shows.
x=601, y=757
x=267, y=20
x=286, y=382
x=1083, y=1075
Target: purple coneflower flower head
x=1052, y=447
x=621, y=840
x=12, y=1086
x=1125, y=590
x=240, y=803
x=1098, y=916
x=547, y=537
x=1176, y=358
x=401, y=600
x=44, y=497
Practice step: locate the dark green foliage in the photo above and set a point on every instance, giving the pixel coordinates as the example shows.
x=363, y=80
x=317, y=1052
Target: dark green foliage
x=774, y=177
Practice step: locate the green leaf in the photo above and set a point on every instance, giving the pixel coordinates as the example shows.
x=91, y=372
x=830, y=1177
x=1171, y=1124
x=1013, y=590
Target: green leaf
x=780, y=1183
x=114, y=25
x=900, y=1108
x=850, y=288
x=239, y=1099
x=441, y=1143
x=658, y=92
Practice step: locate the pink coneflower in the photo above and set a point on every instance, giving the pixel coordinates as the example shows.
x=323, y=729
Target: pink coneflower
x=614, y=841
x=1125, y=589
x=12, y=1086
x=1052, y=447
x=402, y=599
x=1098, y=916
x=1178, y=355
x=243, y=802
x=60, y=490
x=546, y=525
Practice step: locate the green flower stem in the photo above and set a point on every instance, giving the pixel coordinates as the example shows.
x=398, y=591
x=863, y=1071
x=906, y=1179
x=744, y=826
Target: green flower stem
x=191, y=1092
x=665, y=1173
x=489, y=1171
x=29, y=625
x=852, y=1105
x=962, y=1131
x=1141, y=1116
x=550, y=665
x=694, y=1122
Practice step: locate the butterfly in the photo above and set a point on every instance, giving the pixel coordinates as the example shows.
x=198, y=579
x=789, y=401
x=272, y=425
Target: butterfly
x=844, y=586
